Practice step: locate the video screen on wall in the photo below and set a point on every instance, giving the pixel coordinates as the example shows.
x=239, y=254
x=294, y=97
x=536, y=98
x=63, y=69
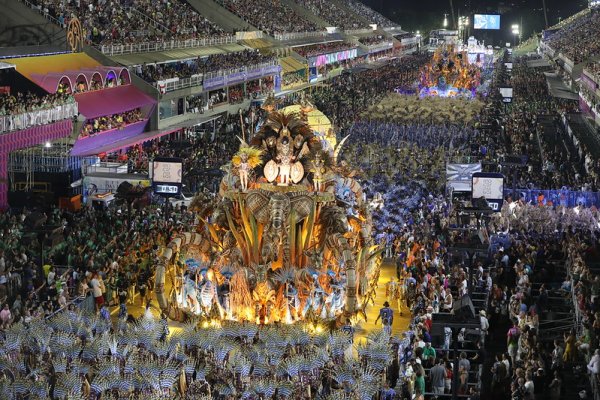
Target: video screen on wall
x=486, y=21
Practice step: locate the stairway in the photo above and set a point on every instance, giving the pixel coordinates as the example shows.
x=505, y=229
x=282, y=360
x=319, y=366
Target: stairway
x=221, y=16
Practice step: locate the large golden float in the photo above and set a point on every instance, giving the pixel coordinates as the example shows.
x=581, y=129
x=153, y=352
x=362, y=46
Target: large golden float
x=288, y=237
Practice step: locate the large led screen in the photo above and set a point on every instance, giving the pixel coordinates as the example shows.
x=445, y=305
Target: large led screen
x=490, y=186
x=486, y=21
x=166, y=171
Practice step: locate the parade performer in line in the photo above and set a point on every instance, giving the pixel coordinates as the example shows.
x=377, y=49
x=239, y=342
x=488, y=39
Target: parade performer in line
x=387, y=318
x=392, y=293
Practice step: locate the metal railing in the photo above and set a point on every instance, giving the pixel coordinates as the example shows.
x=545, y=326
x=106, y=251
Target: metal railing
x=374, y=48
x=298, y=35
x=178, y=83
x=593, y=75
x=358, y=31
x=577, y=311
x=147, y=47
x=174, y=84
x=26, y=120
x=106, y=167
x=227, y=72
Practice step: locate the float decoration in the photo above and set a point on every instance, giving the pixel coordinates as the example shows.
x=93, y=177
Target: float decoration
x=449, y=74
x=287, y=239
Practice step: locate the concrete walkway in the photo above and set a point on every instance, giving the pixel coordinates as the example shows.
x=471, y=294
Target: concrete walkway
x=400, y=324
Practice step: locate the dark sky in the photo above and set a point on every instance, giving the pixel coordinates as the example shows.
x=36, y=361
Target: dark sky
x=426, y=15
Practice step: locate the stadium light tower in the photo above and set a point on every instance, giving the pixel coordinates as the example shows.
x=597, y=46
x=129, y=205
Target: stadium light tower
x=516, y=32
x=463, y=25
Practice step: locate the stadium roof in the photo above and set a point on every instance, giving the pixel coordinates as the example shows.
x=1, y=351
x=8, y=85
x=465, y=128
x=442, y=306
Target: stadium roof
x=120, y=142
x=43, y=65
x=558, y=89
x=541, y=63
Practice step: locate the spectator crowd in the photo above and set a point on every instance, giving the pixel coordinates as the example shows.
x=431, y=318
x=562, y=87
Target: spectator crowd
x=578, y=40
x=272, y=17
x=202, y=65
x=323, y=48
x=339, y=17
x=131, y=21
x=369, y=13
x=374, y=40
x=20, y=103
x=110, y=122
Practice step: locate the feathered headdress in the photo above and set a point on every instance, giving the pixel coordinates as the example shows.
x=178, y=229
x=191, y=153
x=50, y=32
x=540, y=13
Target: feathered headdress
x=291, y=122
x=253, y=155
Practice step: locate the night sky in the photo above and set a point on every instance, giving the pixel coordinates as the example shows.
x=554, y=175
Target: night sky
x=425, y=15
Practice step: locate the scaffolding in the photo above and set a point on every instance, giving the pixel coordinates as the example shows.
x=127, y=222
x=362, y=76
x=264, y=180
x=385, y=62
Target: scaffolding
x=45, y=158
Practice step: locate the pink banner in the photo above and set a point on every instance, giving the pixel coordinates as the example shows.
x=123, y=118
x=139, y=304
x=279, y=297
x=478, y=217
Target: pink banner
x=111, y=101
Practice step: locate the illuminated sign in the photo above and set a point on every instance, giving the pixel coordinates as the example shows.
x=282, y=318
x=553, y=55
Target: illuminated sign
x=486, y=21
x=167, y=189
x=167, y=174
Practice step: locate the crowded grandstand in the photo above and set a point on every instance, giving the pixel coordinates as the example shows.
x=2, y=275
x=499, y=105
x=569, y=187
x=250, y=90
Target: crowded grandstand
x=233, y=199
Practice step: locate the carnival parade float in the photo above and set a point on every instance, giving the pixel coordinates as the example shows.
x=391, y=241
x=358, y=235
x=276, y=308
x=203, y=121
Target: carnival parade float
x=450, y=74
x=287, y=239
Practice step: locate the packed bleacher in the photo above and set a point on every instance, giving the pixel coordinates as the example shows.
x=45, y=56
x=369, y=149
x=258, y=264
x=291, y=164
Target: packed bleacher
x=562, y=164
x=578, y=40
x=272, y=17
x=594, y=69
x=374, y=40
x=569, y=20
x=110, y=122
x=213, y=63
x=369, y=13
x=334, y=15
x=20, y=103
x=132, y=21
x=323, y=48
x=25, y=110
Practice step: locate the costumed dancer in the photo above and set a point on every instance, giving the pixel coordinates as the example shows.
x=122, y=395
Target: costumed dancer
x=337, y=300
x=349, y=329
x=293, y=303
x=207, y=293
x=315, y=298
x=190, y=295
x=387, y=318
x=224, y=294
x=392, y=293
x=245, y=160
x=318, y=173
